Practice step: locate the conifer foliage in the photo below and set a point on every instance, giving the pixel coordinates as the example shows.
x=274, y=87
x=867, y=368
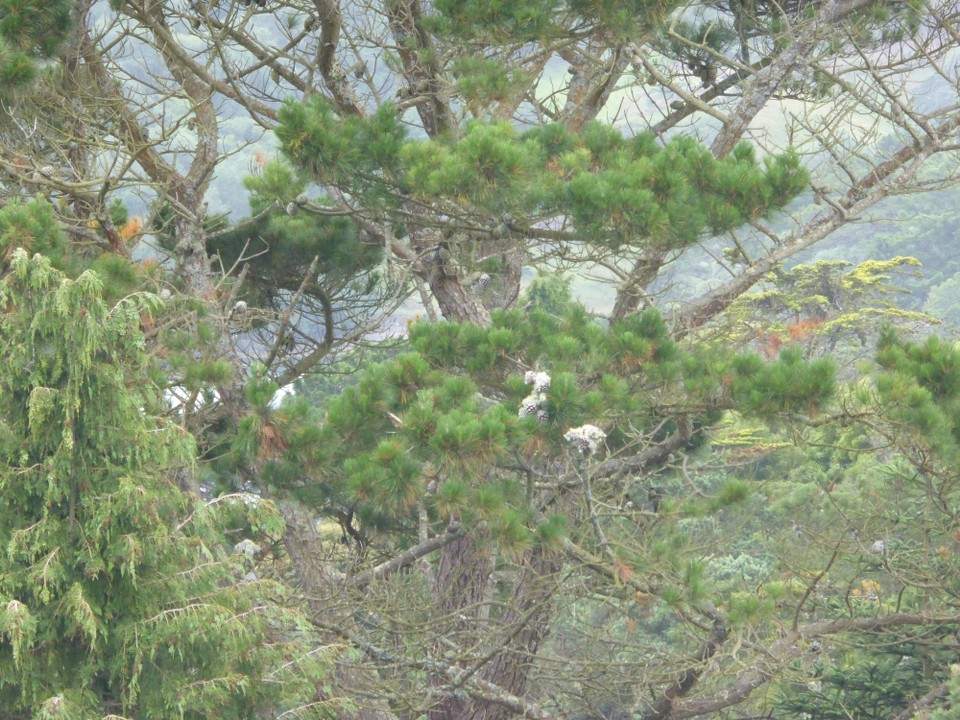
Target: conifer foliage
x=503, y=443
x=615, y=190
x=30, y=31
x=117, y=597
x=462, y=403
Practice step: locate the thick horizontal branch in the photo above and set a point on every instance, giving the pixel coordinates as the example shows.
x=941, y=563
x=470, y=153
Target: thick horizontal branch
x=406, y=558
x=652, y=457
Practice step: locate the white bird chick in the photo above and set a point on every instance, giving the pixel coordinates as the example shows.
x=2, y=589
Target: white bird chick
x=539, y=380
x=530, y=405
x=247, y=548
x=586, y=438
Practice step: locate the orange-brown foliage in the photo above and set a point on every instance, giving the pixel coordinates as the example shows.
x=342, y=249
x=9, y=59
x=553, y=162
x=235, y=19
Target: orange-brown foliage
x=770, y=343
x=272, y=445
x=801, y=329
x=624, y=571
x=131, y=228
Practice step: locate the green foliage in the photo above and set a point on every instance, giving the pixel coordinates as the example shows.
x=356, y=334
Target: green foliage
x=30, y=31
x=921, y=389
x=115, y=593
x=716, y=36
x=616, y=191
x=529, y=20
x=829, y=306
x=345, y=371
x=363, y=151
x=33, y=227
x=862, y=684
x=951, y=710
x=481, y=81
x=747, y=607
x=441, y=425
x=277, y=248
x=788, y=385
x=490, y=168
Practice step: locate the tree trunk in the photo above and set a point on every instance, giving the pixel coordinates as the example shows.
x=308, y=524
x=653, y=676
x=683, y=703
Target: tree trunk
x=456, y=302
x=525, y=626
x=633, y=291
x=463, y=585
x=760, y=88
x=420, y=66
x=591, y=85
x=507, y=286
x=461, y=590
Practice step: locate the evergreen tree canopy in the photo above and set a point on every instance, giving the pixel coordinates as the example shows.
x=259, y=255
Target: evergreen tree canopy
x=615, y=191
x=465, y=424
x=535, y=510
x=31, y=31
x=921, y=390
x=277, y=249
x=116, y=594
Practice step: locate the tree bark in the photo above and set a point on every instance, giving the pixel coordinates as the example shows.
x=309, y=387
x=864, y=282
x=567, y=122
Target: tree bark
x=631, y=293
x=318, y=581
x=461, y=589
x=420, y=67
x=591, y=86
x=456, y=302
x=526, y=625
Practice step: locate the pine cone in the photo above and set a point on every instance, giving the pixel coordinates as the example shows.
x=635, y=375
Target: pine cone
x=528, y=407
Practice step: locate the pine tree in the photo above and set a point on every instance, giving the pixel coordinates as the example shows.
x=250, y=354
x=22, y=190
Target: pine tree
x=501, y=444
x=613, y=191
x=31, y=31
x=526, y=492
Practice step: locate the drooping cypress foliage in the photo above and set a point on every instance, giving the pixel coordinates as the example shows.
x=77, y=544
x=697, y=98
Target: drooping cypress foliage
x=117, y=596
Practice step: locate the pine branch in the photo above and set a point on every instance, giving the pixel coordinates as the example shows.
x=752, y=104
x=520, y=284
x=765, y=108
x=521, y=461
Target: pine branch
x=760, y=88
x=406, y=558
x=475, y=686
x=925, y=702
x=882, y=181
